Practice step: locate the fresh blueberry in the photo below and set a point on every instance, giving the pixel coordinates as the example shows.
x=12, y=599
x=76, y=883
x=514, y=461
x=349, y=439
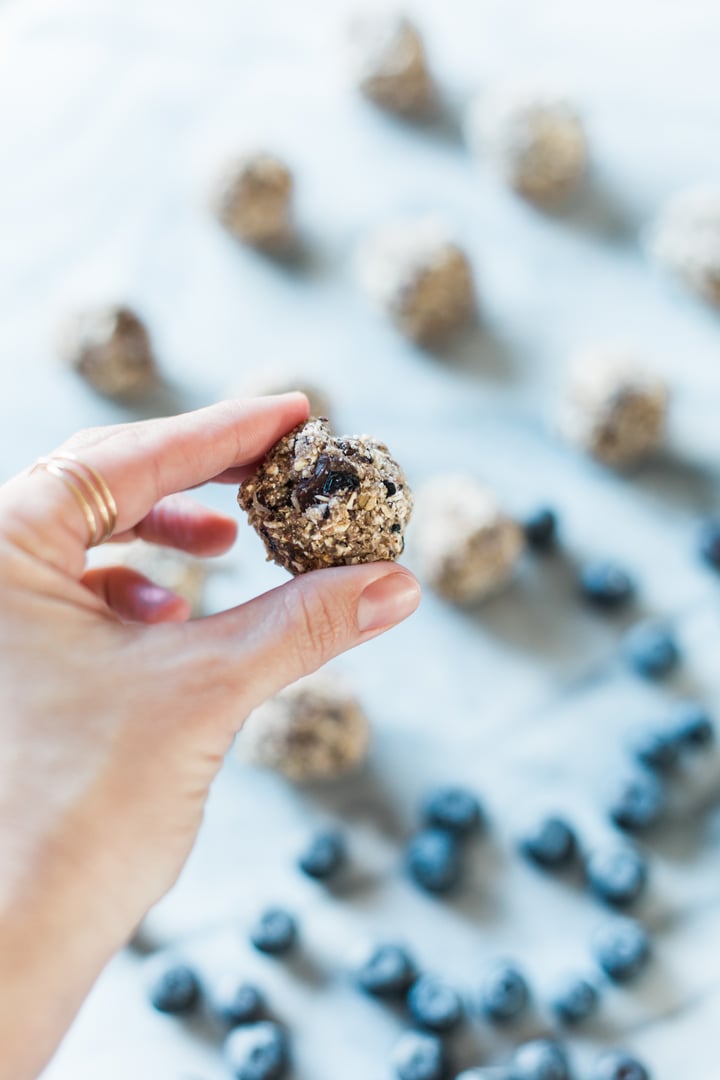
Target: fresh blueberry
x=257, y=1051
x=639, y=803
x=656, y=748
x=433, y=860
x=453, y=808
x=650, y=649
x=275, y=931
x=619, y=1065
x=323, y=856
x=234, y=1002
x=388, y=970
x=551, y=843
x=541, y=529
x=691, y=726
x=504, y=992
x=540, y=1059
x=418, y=1056
x=574, y=999
x=487, y=1072
x=709, y=543
x=618, y=875
x=175, y=990
x=621, y=948
x=434, y=1004
x=606, y=584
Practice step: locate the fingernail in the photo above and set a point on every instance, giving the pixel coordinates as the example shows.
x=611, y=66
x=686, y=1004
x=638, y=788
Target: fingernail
x=387, y=601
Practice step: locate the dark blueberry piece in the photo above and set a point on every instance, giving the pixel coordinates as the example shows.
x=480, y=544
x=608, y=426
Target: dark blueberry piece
x=541, y=529
x=504, y=993
x=175, y=990
x=619, y=1065
x=323, y=856
x=234, y=1002
x=388, y=970
x=275, y=931
x=453, y=808
x=574, y=999
x=618, y=875
x=257, y=1051
x=551, y=843
x=650, y=649
x=434, y=1004
x=433, y=860
x=418, y=1056
x=691, y=725
x=486, y=1072
x=639, y=803
x=606, y=584
x=656, y=748
x=710, y=542
x=622, y=948
x=540, y=1059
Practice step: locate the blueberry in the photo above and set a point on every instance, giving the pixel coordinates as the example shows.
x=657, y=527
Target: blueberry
x=540, y=529
x=434, y=1004
x=323, y=856
x=504, y=992
x=619, y=1065
x=621, y=948
x=487, y=1072
x=257, y=1051
x=618, y=875
x=605, y=584
x=418, y=1056
x=650, y=649
x=540, y=1059
x=639, y=803
x=388, y=970
x=709, y=542
x=234, y=1002
x=656, y=748
x=574, y=999
x=453, y=808
x=175, y=990
x=691, y=726
x=433, y=860
x=551, y=843
x=275, y=931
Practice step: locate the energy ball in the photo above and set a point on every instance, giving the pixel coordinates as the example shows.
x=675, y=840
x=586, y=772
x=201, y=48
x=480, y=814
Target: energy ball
x=110, y=348
x=183, y=574
x=614, y=409
x=534, y=139
x=416, y=273
x=390, y=63
x=686, y=240
x=254, y=200
x=466, y=547
x=319, y=500
x=313, y=730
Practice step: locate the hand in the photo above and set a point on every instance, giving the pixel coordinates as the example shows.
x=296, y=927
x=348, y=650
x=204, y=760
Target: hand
x=115, y=713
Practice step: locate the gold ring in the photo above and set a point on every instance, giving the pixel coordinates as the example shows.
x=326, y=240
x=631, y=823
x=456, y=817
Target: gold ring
x=90, y=491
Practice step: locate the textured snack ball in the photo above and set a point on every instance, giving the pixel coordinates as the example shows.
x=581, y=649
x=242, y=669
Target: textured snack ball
x=466, y=547
x=615, y=410
x=534, y=139
x=312, y=730
x=110, y=348
x=420, y=277
x=317, y=500
x=389, y=61
x=686, y=240
x=254, y=200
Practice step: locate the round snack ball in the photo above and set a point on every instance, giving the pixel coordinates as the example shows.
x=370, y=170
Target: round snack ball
x=534, y=139
x=175, y=990
x=390, y=64
x=434, y=1005
x=387, y=970
x=504, y=993
x=110, y=348
x=318, y=500
x=414, y=271
x=257, y=1051
x=621, y=948
x=618, y=875
x=619, y=1065
x=686, y=240
x=466, y=547
x=324, y=855
x=540, y=1059
x=275, y=932
x=615, y=410
x=433, y=860
x=418, y=1056
x=312, y=730
x=234, y=1002
x=573, y=999
x=254, y=200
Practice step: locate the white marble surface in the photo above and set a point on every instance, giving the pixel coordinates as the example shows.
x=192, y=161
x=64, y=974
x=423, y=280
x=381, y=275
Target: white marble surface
x=113, y=117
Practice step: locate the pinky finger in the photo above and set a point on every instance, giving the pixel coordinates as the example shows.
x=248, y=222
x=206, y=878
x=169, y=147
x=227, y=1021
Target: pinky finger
x=135, y=598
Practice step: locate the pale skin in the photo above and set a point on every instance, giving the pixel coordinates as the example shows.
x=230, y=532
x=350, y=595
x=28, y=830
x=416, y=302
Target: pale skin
x=116, y=712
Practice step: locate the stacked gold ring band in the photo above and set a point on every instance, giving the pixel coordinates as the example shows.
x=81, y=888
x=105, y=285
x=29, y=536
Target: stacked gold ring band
x=91, y=493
